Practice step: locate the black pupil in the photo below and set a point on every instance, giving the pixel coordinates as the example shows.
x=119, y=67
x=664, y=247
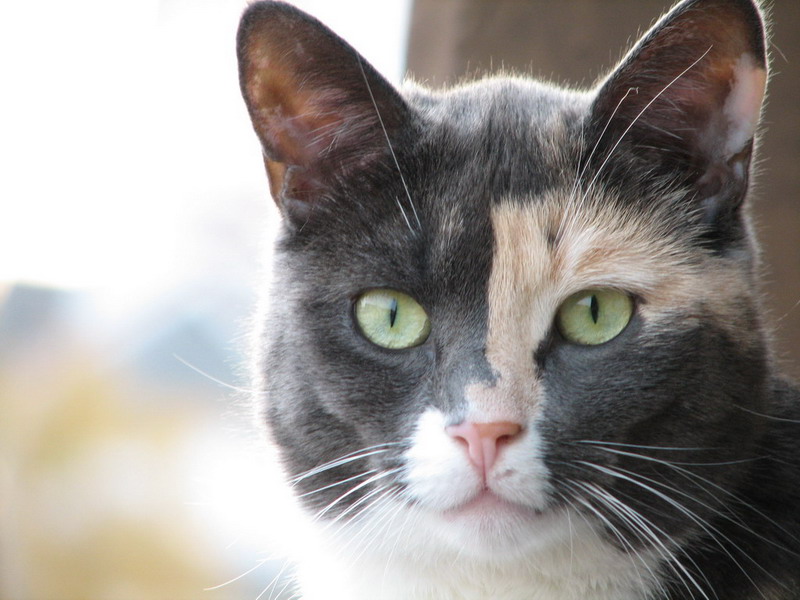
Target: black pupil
x=392, y=312
x=594, y=308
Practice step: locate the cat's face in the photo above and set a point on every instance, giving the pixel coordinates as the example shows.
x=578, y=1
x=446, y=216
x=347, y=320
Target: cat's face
x=509, y=317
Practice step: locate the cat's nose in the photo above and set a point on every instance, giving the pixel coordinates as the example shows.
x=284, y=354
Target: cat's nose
x=483, y=440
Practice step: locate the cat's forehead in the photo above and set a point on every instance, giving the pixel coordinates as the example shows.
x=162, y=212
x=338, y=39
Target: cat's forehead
x=503, y=135
x=567, y=240
x=513, y=99
x=511, y=157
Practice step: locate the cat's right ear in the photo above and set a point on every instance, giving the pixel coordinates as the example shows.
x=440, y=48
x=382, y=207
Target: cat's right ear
x=323, y=114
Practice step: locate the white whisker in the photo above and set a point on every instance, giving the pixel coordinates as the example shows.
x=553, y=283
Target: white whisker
x=271, y=587
x=391, y=150
x=703, y=482
x=636, y=119
x=213, y=379
x=623, y=445
x=652, y=532
x=338, y=483
x=257, y=566
x=343, y=460
x=588, y=160
x=619, y=535
x=351, y=491
x=380, y=515
x=713, y=532
x=769, y=417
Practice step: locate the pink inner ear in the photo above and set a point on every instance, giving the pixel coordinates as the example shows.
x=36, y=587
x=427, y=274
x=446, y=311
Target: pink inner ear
x=298, y=131
x=320, y=110
x=743, y=105
x=291, y=120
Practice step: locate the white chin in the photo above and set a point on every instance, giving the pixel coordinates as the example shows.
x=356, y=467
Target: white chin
x=490, y=527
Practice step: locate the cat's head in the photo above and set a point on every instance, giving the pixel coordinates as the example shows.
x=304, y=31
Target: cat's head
x=507, y=311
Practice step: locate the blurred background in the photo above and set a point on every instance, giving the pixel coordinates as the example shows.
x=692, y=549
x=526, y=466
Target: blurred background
x=135, y=229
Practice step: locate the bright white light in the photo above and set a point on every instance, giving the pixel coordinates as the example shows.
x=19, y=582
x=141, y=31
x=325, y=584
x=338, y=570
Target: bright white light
x=75, y=121
x=125, y=140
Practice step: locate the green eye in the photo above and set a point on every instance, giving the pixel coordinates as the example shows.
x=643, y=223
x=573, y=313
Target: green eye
x=392, y=319
x=593, y=317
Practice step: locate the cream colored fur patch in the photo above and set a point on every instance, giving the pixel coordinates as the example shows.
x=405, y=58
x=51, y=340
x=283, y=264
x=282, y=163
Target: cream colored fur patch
x=552, y=247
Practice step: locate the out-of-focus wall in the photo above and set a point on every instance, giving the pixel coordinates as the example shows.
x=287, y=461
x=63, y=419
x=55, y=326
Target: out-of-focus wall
x=576, y=41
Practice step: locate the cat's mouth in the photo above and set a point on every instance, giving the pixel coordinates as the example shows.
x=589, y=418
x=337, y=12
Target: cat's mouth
x=487, y=503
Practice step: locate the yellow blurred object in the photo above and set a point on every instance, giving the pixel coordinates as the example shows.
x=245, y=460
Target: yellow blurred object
x=91, y=505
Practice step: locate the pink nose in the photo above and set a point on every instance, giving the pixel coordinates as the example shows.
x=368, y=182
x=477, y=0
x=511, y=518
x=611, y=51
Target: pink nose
x=483, y=440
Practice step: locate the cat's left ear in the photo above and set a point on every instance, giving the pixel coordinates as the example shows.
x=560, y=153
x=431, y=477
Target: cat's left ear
x=687, y=100
x=322, y=113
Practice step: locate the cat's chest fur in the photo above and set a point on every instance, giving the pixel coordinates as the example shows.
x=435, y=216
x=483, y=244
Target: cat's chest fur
x=514, y=346
x=576, y=570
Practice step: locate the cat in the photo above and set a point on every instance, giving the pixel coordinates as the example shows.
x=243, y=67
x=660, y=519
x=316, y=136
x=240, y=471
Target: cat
x=514, y=346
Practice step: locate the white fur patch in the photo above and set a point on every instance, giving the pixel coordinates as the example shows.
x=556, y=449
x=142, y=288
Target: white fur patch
x=438, y=474
x=743, y=105
x=441, y=477
x=428, y=550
